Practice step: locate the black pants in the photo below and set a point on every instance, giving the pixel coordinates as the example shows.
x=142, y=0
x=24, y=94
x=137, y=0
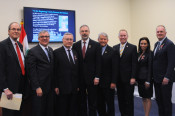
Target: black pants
x=105, y=102
x=87, y=93
x=42, y=106
x=7, y=112
x=163, y=97
x=67, y=104
x=125, y=98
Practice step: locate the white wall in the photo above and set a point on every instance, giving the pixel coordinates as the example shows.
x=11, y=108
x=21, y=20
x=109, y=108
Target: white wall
x=146, y=15
x=101, y=15
x=139, y=17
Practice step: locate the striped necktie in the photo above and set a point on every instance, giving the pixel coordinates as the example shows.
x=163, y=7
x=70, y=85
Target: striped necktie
x=121, y=49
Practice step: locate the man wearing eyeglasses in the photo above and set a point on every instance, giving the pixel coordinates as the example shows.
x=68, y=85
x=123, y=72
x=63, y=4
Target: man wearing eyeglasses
x=89, y=54
x=40, y=66
x=12, y=72
x=66, y=77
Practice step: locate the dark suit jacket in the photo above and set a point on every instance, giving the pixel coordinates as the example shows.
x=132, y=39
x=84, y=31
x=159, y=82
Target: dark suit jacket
x=174, y=67
x=65, y=74
x=163, y=61
x=40, y=69
x=10, y=70
x=90, y=66
x=109, y=67
x=144, y=71
x=128, y=62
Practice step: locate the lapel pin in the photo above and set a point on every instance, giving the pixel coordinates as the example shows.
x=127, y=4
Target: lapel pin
x=89, y=46
x=75, y=57
x=106, y=52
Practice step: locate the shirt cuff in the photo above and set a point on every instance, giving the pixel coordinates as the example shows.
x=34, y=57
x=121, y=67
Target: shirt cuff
x=147, y=83
x=6, y=89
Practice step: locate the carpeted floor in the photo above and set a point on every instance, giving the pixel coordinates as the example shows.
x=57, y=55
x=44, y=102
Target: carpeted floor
x=138, y=108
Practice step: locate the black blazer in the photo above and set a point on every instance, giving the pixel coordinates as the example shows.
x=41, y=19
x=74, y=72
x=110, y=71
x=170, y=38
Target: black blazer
x=163, y=61
x=109, y=67
x=40, y=69
x=145, y=66
x=90, y=66
x=10, y=70
x=128, y=62
x=65, y=74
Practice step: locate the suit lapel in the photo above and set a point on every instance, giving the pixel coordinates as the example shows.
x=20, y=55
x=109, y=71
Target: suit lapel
x=11, y=48
x=118, y=49
x=163, y=43
x=51, y=54
x=80, y=49
x=155, y=46
x=106, y=51
x=88, y=48
x=65, y=55
x=158, y=51
x=125, y=50
x=42, y=53
x=74, y=56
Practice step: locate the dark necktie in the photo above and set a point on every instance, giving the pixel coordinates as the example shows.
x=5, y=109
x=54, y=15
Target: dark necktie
x=20, y=59
x=49, y=55
x=157, y=48
x=70, y=58
x=84, y=49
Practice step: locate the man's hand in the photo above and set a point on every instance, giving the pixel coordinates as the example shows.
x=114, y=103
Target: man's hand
x=147, y=85
x=165, y=81
x=132, y=81
x=96, y=81
x=39, y=92
x=8, y=93
x=113, y=85
x=57, y=91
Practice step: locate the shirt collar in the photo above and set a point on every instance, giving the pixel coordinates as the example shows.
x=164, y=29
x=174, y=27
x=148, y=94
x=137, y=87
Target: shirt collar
x=67, y=48
x=123, y=44
x=13, y=42
x=43, y=46
x=87, y=41
x=161, y=41
x=104, y=47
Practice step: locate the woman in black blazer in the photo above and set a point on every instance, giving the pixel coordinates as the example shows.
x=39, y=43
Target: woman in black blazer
x=144, y=75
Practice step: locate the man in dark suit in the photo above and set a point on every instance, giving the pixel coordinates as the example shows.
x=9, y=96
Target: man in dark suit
x=127, y=74
x=12, y=73
x=162, y=71
x=40, y=66
x=66, y=77
x=89, y=54
x=107, y=84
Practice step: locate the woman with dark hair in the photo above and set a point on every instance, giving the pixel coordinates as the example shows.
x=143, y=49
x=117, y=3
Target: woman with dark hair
x=144, y=76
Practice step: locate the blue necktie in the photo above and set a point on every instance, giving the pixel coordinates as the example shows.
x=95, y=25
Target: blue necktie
x=157, y=48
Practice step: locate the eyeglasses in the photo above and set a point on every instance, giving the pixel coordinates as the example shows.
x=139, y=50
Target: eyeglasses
x=68, y=39
x=14, y=29
x=44, y=36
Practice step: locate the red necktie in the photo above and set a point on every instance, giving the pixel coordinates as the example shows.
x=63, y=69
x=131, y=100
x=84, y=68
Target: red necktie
x=84, y=49
x=20, y=59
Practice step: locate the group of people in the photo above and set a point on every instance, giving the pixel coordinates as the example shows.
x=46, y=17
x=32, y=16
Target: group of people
x=79, y=79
